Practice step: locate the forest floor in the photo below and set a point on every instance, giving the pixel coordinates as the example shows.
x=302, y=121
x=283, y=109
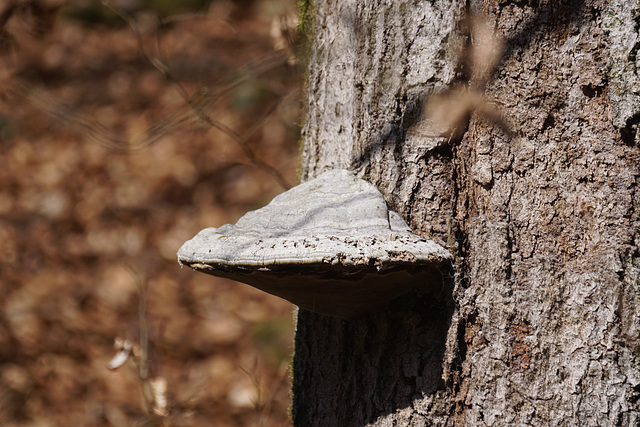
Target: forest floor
x=105, y=170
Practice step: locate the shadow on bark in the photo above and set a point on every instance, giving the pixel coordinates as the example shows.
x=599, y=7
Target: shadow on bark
x=373, y=366
x=397, y=132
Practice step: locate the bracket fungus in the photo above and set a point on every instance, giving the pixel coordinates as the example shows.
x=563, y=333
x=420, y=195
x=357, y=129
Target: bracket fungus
x=330, y=245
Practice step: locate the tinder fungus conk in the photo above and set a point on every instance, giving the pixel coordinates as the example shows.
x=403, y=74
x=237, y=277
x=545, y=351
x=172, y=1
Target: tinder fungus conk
x=330, y=245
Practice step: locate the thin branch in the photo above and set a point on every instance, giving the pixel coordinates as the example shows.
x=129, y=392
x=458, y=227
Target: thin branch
x=242, y=140
x=66, y=115
x=205, y=96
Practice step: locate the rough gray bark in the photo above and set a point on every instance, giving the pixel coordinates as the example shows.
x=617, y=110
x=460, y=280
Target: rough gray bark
x=539, y=325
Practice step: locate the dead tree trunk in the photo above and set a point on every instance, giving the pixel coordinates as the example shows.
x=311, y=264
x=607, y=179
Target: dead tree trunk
x=538, y=324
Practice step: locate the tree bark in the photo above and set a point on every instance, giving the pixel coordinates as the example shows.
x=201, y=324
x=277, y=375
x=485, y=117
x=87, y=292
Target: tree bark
x=538, y=323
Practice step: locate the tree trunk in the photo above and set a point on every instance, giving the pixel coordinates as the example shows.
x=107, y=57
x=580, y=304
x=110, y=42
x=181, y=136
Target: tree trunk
x=538, y=324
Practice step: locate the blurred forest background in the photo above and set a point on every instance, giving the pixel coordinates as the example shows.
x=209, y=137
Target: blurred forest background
x=125, y=128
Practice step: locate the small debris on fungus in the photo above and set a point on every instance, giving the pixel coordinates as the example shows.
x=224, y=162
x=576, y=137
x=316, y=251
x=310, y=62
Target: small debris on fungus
x=330, y=245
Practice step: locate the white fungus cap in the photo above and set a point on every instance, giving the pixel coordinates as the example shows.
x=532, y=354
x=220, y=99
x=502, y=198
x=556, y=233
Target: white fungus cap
x=330, y=245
